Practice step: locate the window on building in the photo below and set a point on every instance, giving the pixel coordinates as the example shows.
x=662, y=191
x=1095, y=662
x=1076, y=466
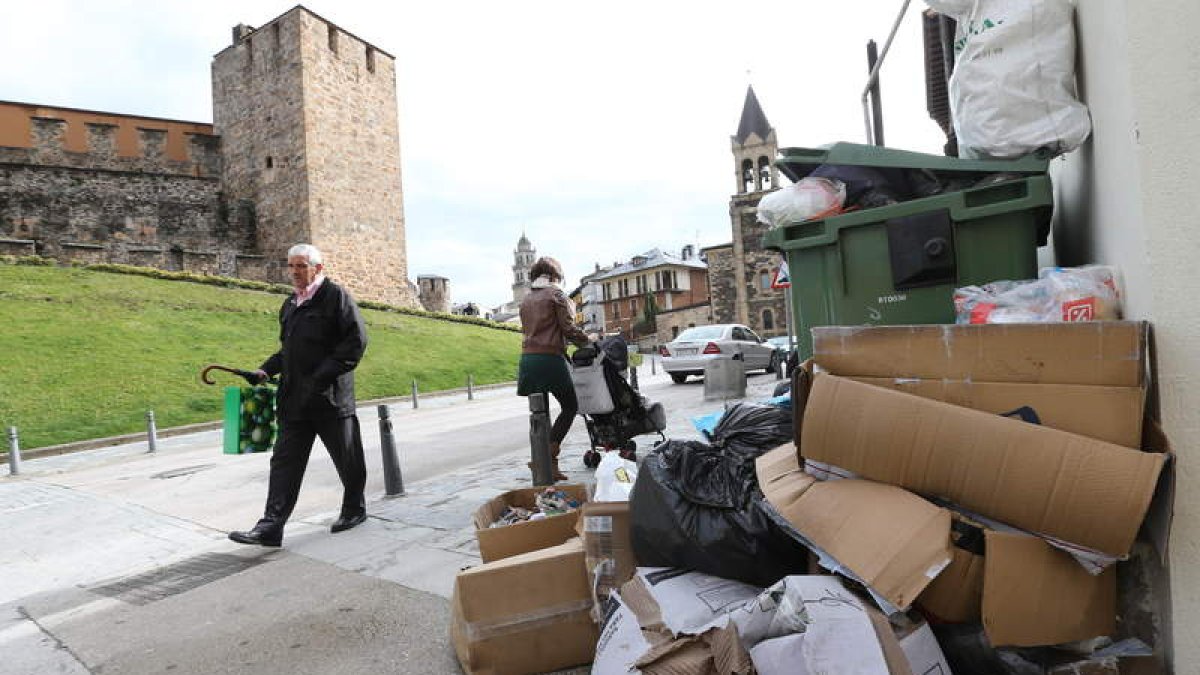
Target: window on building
x=370, y=58
x=333, y=39
x=768, y=322
x=765, y=279
x=633, y=307
x=674, y=332
x=747, y=175
x=764, y=174
x=616, y=311
x=607, y=292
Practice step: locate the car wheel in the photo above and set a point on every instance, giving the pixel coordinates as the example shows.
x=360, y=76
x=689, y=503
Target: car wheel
x=679, y=378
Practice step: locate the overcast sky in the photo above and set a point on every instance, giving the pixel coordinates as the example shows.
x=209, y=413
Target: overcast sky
x=601, y=130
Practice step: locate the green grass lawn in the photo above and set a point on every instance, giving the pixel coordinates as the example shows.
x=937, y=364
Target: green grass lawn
x=84, y=354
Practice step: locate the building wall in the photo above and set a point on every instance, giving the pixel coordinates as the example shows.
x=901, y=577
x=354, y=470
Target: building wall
x=1127, y=199
x=352, y=145
x=676, y=321
x=434, y=293
x=17, y=123
x=99, y=203
x=621, y=312
x=722, y=283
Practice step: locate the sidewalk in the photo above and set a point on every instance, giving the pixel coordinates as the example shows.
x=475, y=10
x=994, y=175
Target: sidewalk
x=119, y=560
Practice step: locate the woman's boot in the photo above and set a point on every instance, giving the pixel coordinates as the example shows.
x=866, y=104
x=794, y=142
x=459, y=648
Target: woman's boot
x=555, y=448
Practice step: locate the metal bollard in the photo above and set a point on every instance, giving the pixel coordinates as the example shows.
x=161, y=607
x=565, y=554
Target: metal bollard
x=653, y=364
x=151, y=432
x=539, y=439
x=393, y=481
x=414, y=395
x=633, y=381
x=470, y=387
x=14, y=452
x=779, y=368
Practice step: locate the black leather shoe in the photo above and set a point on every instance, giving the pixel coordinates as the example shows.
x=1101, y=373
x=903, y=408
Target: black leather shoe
x=257, y=537
x=346, y=522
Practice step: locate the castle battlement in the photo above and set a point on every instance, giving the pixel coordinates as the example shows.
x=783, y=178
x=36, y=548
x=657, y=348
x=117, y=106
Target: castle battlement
x=85, y=139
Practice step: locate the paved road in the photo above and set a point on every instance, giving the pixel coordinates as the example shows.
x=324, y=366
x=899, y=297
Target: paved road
x=115, y=560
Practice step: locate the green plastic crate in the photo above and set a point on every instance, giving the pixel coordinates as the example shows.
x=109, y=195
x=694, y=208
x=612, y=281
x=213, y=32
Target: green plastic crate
x=250, y=423
x=900, y=264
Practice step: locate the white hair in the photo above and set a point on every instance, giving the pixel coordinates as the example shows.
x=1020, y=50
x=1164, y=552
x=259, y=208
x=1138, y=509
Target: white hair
x=307, y=250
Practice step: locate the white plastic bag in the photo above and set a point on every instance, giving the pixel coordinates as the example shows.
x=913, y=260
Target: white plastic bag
x=809, y=198
x=1060, y=294
x=614, y=478
x=1013, y=87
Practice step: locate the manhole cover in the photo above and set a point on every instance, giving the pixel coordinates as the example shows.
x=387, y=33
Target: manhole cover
x=183, y=471
x=143, y=589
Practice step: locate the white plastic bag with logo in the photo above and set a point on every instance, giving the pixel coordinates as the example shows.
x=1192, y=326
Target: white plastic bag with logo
x=1013, y=87
x=1060, y=294
x=614, y=478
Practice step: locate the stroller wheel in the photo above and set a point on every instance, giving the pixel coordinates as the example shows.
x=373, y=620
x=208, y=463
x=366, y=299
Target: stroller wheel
x=628, y=451
x=591, y=459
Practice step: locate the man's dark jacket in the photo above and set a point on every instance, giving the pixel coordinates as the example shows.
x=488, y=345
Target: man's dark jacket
x=321, y=343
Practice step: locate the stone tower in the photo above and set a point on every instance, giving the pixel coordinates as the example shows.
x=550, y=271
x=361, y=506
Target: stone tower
x=311, y=148
x=754, y=150
x=523, y=259
x=435, y=293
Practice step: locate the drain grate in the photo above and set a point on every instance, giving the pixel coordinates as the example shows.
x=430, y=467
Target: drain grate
x=183, y=471
x=180, y=577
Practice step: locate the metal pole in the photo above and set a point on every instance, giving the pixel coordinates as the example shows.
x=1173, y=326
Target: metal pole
x=14, y=452
x=414, y=395
x=875, y=72
x=470, y=387
x=876, y=102
x=787, y=316
x=393, y=481
x=151, y=432
x=654, y=364
x=539, y=439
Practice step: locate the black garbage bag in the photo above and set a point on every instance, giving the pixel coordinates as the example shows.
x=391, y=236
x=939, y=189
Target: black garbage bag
x=868, y=187
x=696, y=506
x=750, y=429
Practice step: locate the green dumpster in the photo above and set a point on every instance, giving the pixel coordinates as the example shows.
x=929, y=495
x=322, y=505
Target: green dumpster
x=249, y=419
x=900, y=264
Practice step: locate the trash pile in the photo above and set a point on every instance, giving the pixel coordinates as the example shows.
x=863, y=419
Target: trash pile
x=548, y=502
x=944, y=498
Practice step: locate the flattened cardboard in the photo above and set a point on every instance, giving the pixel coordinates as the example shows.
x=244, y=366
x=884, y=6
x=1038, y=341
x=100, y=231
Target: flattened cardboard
x=1112, y=414
x=604, y=527
x=893, y=540
x=501, y=542
x=1081, y=490
x=1109, y=353
x=1034, y=594
x=955, y=596
x=528, y=613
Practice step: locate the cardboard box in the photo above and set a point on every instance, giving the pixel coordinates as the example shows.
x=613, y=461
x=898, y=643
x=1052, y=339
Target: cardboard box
x=956, y=595
x=496, y=543
x=528, y=613
x=1112, y=414
x=1046, y=481
x=891, y=539
x=604, y=527
x=1105, y=353
x=895, y=547
x=1034, y=594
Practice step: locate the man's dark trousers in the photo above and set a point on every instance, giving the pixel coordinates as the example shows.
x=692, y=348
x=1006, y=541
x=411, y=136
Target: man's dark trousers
x=343, y=440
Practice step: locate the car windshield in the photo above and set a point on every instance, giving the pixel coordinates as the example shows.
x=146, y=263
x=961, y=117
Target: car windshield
x=701, y=333
x=781, y=341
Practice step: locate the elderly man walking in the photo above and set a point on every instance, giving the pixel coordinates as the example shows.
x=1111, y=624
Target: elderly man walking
x=322, y=339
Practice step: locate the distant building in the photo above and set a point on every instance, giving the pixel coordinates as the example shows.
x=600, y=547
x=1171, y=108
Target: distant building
x=523, y=257
x=434, y=292
x=741, y=271
x=465, y=309
x=677, y=283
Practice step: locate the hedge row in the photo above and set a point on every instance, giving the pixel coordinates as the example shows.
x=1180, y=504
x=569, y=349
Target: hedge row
x=230, y=282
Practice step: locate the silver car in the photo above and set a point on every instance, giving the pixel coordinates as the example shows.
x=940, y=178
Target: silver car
x=687, y=353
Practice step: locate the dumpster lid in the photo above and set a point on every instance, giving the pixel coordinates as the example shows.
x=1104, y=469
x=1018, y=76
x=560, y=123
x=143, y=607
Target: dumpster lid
x=796, y=163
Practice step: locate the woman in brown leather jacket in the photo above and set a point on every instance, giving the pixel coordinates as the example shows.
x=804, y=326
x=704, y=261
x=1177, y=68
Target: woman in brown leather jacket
x=548, y=321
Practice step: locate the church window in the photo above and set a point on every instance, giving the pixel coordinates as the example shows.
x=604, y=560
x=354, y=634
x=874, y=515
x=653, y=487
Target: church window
x=270, y=163
x=768, y=322
x=747, y=175
x=765, y=279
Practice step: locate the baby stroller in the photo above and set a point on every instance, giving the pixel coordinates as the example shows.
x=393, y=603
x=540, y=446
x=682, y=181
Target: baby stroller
x=613, y=410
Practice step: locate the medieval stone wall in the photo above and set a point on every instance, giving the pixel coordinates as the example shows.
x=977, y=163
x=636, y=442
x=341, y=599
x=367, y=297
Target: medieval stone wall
x=722, y=283
x=99, y=205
